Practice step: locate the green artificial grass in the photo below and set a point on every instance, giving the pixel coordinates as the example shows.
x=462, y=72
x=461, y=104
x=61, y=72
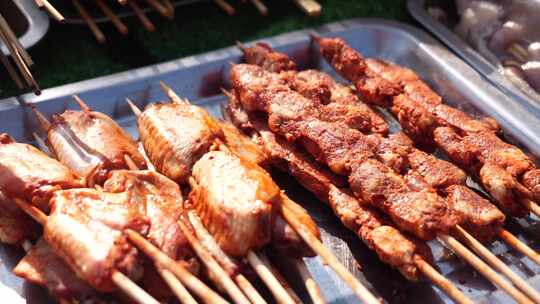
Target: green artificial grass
x=69, y=53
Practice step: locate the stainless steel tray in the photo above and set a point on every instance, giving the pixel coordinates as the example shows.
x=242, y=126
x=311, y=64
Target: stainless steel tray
x=27, y=21
x=200, y=78
x=494, y=73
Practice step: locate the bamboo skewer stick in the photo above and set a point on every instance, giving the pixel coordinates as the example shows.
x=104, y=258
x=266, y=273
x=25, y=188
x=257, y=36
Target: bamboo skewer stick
x=142, y=16
x=205, y=237
x=161, y=9
x=11, y=36
x=532, y=206
x=39, y=3
x=264, y=272
x=224, y=279
x=52, y=11
x=311, y=7
x=226, y=7
x=89, y=21
x=361, y=291
x=440, y=281
x=282, y=281
x=206, y=294
x=483, y=268
x=120, y=26
x=311, y=285
x=513, y=241
x=123, y=282
x=497, y=264
x=132, y=289
x=177, y=287
x=19, y=61
x=260, y=6
x=11, y=71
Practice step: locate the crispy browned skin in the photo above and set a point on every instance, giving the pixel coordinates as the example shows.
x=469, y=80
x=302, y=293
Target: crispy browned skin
x=340, y=103
x=261, y=54
x=92, y=144
x=236, y=201
x=175, y=136
x=504, y=170
x=28, y=173
x=85, y=228
x=15, y=225
x=346, y=151
x=374, y=229
x=43, y=267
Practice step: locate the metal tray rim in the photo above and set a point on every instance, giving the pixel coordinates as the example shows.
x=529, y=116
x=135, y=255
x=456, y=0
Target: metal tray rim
x=490, y=71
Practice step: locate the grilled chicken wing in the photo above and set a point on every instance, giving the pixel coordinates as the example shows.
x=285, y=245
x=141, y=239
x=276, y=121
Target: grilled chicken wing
x=236, y=201
x=41, y=266
x=15, y=225
x=175, y=136
x=85, y=228
x=92, y=144
x=28, y=173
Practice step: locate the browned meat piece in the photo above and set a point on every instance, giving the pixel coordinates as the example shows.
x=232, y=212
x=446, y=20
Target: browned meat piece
x=341, y=104
x=28, y=173
x=422, y=213
x=41, y=266
x=391, y=246
x=236, y=201
x=242, y=146
x=261, y=54
x=85, y=228
x=15, y=225
x=91, y=144
x=531, y=180
x=487, y=163
x=480, y=217
x=439, y=174
x=175, y=136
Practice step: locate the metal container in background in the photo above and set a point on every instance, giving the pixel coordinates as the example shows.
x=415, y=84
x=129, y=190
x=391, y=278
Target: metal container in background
x=494, y=73
x=199, y=78
x=25, y=19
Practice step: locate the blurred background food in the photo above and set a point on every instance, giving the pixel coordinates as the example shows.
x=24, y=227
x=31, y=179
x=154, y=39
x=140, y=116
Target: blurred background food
x=69, y=52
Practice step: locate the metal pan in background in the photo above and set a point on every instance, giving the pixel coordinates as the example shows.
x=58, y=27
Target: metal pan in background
x=199, y=78
x=494, y=73
x=27, y=22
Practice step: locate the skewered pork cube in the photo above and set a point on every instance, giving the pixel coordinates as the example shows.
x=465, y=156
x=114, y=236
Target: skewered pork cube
x=28, y=173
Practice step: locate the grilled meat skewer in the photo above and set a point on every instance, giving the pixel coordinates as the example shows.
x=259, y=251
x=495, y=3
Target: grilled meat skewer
x=373, y=228
x=504, y=170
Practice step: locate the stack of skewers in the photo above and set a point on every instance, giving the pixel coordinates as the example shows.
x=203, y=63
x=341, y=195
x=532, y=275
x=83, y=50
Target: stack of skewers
x=165, y=8
x=323, y=134
x=18, y=67
x=102, y=204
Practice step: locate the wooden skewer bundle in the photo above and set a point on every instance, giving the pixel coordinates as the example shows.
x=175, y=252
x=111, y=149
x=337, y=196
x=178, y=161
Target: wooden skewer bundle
x=20, y=71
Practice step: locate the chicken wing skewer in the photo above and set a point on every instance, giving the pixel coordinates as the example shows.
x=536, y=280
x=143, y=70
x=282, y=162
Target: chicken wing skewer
x=199, y=132
x=349, y=152
x=112, y=150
